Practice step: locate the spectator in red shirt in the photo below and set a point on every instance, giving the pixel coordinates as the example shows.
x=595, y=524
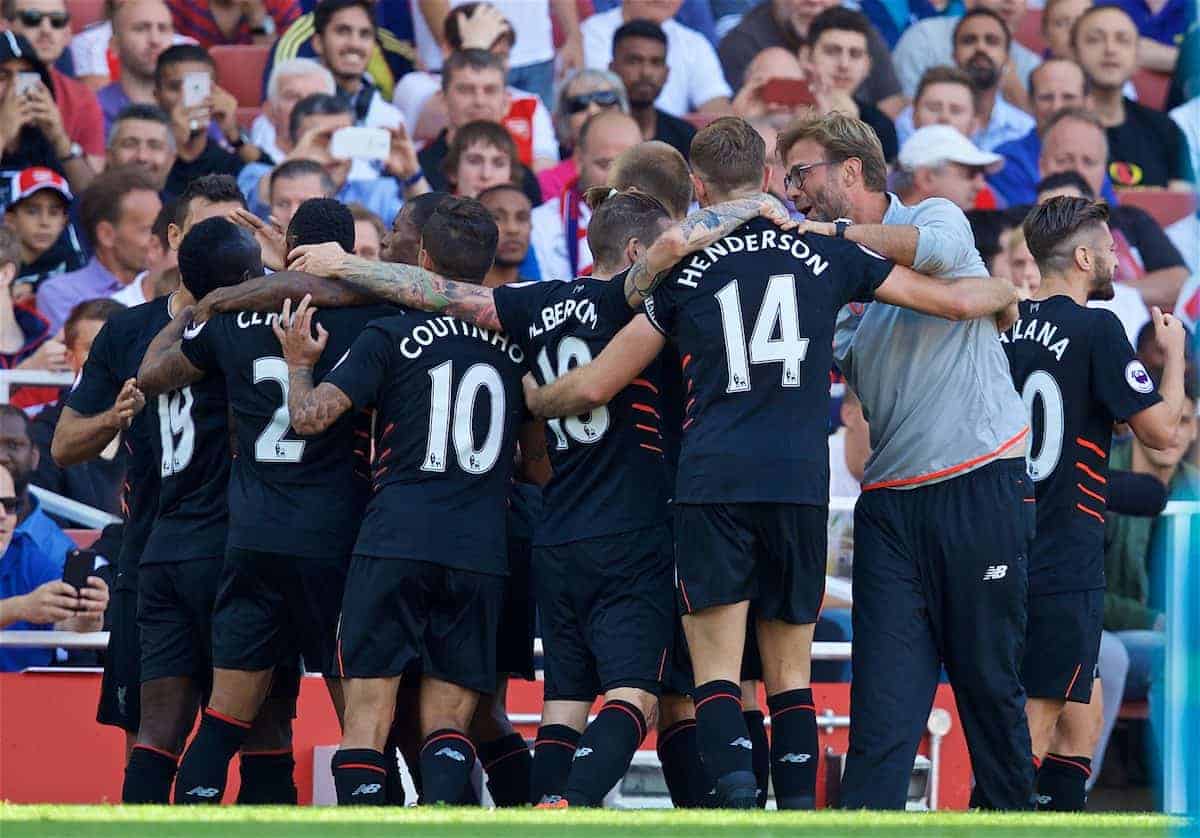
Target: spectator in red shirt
x=46, y=25
x=213, y=22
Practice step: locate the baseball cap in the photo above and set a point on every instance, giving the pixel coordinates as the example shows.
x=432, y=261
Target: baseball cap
x=934, y=145
x=14, y=46
x=35, y=179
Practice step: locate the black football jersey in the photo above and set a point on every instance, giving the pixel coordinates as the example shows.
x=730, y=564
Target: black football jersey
x=609, y=472
x=448, y=401
x=292, y=495
x=115, y=356
x=1077, y=375
x=752, y=317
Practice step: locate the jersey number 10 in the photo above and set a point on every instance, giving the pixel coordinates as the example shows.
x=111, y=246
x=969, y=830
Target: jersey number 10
x=779, y=313
x=1041, y=386
x=456, y=417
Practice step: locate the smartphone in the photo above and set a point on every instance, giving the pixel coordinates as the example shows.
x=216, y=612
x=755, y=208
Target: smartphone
x=27, y=82
x=787, y=92
x=196, y=89
x=356, y=143
x=80, y=565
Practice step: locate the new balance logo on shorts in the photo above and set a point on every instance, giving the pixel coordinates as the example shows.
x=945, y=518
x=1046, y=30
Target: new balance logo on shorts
x=207, y=792
x=365, y=788
x=995, y=571
x=742, y=742
x=583, y=752
x=453, y=754
x=796, y=758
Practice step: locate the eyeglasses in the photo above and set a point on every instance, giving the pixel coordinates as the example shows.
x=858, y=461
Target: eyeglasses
x=796, y=175
x=603, y=98
x=9, y=505
x=33, y=18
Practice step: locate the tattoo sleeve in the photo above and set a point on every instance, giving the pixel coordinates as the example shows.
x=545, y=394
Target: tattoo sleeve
x=414, y=287
x=313, y=410
x=696, y=232
x=268, y=293
x=165, y=367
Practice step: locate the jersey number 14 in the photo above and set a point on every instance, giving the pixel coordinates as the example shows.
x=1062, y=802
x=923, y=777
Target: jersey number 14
x=779, y=315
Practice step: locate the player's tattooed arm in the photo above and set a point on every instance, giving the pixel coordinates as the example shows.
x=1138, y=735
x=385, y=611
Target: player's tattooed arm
x=405, y=285
x=312, y=409
x=164, y=366
x=267, y=293
x=696, y=232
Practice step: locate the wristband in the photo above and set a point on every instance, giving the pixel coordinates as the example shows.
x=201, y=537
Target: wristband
x=412, y=180
x=839, y=228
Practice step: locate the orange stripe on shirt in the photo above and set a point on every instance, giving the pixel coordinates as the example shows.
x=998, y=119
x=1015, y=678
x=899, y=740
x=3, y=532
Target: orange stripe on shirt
x=651, y=448
x=645, y=408
x=1091, y=446
x=1091, y=512
x=1090, y=493
x=1090, y=473
x=946, y=472
x=641, y=427
x=641, y=382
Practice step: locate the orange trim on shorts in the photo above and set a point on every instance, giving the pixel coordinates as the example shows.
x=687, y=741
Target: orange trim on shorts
x=946, y=472
x=1074, y=678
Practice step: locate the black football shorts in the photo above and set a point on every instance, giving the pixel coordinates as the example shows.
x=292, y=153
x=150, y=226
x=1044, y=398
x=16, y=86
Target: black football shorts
x=518, y=616
x=1062, y=645
x=120, y=688
x=607, y=613
x=398, y=613
x=271, y=607
x=175, y=607
x=771, y=554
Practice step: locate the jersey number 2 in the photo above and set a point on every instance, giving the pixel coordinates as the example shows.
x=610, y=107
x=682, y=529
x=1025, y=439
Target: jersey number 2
x=271, y=447
x=456, y=416
x=779, y=315
x=1041, y=385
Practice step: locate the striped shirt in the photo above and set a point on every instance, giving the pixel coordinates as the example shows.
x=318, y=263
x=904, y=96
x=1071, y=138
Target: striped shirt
x=194, y=19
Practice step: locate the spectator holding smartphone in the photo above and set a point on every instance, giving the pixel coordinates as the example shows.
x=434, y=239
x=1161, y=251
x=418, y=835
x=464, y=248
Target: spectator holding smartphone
x=32, y=593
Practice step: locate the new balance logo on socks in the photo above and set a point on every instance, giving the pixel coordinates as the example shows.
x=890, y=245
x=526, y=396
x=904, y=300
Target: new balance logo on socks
x=453, y=754
x=1044, y=799
x=796, y=758
x=367, y=788
x=994, y=572
x=206, y=792
x=742, y=742
x=583, y=752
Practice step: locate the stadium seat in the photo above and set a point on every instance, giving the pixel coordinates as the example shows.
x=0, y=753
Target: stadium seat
x=1152, y=88
x=84, y=12
x=83, y=538
x=1029, y=33
x=240, y=71
x=1165, y=205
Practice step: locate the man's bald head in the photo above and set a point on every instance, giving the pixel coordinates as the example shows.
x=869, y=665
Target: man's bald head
x=603, y=137
x=658, y=170
x=775, y=63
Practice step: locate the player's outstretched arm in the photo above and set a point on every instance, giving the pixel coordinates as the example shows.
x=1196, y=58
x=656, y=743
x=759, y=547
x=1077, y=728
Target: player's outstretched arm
x=594, y=384
x=164, y=366
x=1157, y=426
x=267, y=293
x=79, y=438
x=696, y=232
x=897, y=242
x=405, y=285
x=953, y=299
x=312, y=409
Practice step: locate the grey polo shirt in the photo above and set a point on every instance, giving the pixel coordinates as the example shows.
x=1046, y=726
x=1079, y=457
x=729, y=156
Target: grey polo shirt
x=937, y=394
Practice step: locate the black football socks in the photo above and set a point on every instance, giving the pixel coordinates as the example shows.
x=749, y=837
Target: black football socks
x=725, y=745
x=359, y=775
x=509, y=767
x=757, y=728
x=604, y=753
x=794, y=749
x=268, y=779
x=1061, y=783
x=687, y=781
x=148, y=775
x=553, y=751
x=205, y=766
x=447, y=757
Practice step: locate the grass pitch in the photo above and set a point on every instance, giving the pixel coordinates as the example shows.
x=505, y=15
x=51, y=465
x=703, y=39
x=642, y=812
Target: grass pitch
x=231, y=822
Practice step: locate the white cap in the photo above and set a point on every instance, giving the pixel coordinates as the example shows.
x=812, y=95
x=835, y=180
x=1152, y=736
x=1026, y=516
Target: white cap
x=934, y=145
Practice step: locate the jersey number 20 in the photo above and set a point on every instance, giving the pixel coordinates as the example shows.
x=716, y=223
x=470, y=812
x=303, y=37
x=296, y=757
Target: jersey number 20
x=778, y=314
x=1041, y=386
x=456, y=417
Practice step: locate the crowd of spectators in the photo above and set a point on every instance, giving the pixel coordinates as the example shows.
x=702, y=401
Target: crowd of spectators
x=524, y=104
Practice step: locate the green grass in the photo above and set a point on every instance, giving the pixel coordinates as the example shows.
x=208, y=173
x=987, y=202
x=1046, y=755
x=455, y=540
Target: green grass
x=229, y=822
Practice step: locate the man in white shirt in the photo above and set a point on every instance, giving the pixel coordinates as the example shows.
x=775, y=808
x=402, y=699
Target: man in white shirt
x=695, y=82
x=559, y=235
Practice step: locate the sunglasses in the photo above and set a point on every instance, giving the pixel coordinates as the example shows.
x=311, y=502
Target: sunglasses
x=796, y=175
x=603, y=98
x=33, y=18
x=9, y=505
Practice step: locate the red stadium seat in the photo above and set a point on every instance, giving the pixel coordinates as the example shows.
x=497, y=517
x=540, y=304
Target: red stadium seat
x=84, y=12
x=83, y=538
x=1166, y=206
x=240, y=71
x=246, y=116
x=1152, y=88
x=1029, y=33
